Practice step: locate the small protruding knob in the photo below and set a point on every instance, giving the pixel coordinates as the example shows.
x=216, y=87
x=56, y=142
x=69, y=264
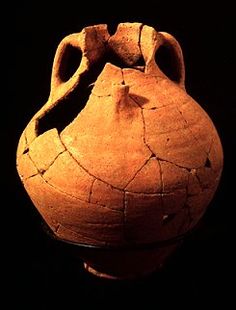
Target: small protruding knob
x=120, y=95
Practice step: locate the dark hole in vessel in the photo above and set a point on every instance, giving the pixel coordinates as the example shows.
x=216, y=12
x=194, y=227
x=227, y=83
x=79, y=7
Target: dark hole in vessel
x=208, y=163
x=66, y=110
x=168, y=63
x=26, y=151
x=168, y=218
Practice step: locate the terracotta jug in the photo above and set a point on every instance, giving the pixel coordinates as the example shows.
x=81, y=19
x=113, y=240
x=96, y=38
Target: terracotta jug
x=120, y=161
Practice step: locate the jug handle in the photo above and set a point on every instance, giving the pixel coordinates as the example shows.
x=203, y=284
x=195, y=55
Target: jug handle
x=173, y=45
x=60, y=87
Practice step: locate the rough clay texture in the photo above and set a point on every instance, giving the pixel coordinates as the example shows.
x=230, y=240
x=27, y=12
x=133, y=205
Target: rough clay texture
x=140, y=162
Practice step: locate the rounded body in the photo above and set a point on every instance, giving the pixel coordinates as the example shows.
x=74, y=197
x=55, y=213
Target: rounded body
x=135, y=164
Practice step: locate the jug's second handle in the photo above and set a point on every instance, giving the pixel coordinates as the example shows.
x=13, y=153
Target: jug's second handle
x=173, y=45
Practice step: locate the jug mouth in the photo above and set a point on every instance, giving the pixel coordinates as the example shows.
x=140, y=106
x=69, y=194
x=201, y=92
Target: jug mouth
x=127, y=247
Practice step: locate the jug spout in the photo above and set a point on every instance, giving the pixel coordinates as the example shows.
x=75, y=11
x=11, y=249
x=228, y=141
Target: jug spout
x=124, y=107
x=120, y=95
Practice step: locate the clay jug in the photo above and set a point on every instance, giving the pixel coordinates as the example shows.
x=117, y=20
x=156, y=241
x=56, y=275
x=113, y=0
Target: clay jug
x=120, y=161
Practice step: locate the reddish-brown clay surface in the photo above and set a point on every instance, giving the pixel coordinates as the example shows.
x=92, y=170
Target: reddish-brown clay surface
x=138, y=163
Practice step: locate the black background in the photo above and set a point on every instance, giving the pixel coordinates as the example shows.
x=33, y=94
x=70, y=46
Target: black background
x=44, y=274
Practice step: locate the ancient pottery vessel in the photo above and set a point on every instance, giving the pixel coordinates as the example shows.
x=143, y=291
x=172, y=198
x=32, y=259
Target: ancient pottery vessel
x=120, y=161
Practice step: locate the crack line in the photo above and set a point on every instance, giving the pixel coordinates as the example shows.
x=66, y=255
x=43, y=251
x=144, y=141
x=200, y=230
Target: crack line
x=193, y=135
x=79, y=234
x=199, y=181
x=54, y=161
x=91, y=190
x=186, y=205
x=211, y=145
x=147, y=194
x=103, y=224
x=123, y=78
x=162, y=187
x=31, y=176
x=26, y=147
x=156, y=155
x=78, y=163
x=144, y=133
x=144, y=164
x=57, y=227
x=103, y=96
x=39, y=172
x=72, y=196
x=186, y=222
x=77, y=198
x=124, y=216
x=139, y=39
